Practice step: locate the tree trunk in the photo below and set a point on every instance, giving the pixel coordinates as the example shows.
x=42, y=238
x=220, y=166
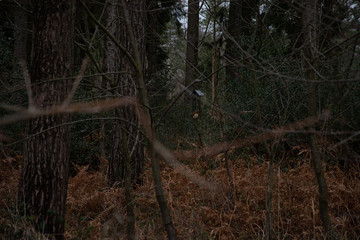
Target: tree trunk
x=20, y=31
x=155, y=167
x=111, y=60
x=152, y=40
x=309, y=20
x=214, y=60
x=239, y=25
x=44, y=177
x=124, y=85
x=139, y=79
x=234, y=32
x=128, y=86
x=192, y=48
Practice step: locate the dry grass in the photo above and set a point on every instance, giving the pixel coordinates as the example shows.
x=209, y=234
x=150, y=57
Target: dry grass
x=201, y=214
x=95, y=211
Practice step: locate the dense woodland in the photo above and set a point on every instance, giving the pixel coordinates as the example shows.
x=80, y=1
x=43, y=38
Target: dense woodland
x=146, y=119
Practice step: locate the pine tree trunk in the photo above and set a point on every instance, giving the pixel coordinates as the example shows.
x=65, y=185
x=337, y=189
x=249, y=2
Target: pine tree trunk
x=44, y=177
x=155, y=167
x=128, y=86
x=152, y=41
x=232, y=53
x=143, y=98
x=124, y=85
x=214, y=61
x=192, y=48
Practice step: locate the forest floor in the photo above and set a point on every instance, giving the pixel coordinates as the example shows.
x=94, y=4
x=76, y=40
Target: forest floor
x=236, y=210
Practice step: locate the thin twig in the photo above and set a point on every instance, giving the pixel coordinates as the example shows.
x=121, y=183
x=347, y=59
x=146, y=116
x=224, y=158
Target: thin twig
x=345, y=140
x=27, y=84
x=76, y=83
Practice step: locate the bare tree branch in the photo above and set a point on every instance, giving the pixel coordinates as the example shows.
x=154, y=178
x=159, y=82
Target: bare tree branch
x=27, y=83
x=76, y=83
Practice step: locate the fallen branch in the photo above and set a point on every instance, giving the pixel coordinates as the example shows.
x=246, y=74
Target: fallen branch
x=267, y=135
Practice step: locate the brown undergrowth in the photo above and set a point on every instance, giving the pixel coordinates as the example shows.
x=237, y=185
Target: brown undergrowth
x=236, y=211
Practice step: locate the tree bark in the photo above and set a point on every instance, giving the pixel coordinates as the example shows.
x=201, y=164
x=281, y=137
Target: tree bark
x=232, y=53
x=44, y=177
x=155, y=167
x=214, y=59
x=192, y=48
x=152, y=40
x=124, y=85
